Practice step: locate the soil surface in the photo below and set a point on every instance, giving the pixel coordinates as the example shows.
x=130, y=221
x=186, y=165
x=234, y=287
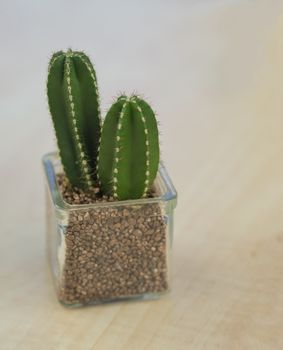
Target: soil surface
x=112, y=252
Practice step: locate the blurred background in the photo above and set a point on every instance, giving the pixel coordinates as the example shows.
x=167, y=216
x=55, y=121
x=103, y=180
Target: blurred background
x=212, y=71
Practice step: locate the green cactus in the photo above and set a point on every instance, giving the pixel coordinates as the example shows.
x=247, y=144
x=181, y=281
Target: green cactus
x=75, y=109
x=129, y=149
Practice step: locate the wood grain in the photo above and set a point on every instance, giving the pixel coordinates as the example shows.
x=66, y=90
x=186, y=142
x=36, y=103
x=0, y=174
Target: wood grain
x=222, y=122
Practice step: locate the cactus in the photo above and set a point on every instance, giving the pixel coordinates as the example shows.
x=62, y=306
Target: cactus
x=129, y=149
x=75, y=109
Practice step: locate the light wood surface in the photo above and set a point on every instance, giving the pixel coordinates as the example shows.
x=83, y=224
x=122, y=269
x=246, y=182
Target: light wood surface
x=213, y=70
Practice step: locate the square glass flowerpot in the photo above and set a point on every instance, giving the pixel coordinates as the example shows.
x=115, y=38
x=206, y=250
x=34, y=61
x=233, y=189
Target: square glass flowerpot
x=108, y=251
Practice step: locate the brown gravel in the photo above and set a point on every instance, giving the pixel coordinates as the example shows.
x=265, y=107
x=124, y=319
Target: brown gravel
x=112, y=252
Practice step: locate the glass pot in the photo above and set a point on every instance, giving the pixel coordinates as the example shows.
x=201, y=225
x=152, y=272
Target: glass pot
x=109, y=251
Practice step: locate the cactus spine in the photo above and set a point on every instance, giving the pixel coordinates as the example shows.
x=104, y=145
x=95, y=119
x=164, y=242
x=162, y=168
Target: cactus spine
x=75, y=109
x=129, y=149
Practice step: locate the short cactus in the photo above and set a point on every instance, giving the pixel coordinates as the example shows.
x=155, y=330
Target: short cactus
x=75, y=108
x=129, y=149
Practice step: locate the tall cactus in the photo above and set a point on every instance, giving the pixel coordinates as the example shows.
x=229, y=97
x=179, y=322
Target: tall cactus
x=75, y=108
x=129, y=149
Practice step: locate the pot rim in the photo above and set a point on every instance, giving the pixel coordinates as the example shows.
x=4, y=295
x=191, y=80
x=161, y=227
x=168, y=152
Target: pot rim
x=51, y=162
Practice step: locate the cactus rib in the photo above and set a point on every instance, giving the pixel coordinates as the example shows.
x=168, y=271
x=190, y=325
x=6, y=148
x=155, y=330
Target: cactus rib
x=107, y=147
x=117, y=150
x=147, y=173
x=81, y=152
